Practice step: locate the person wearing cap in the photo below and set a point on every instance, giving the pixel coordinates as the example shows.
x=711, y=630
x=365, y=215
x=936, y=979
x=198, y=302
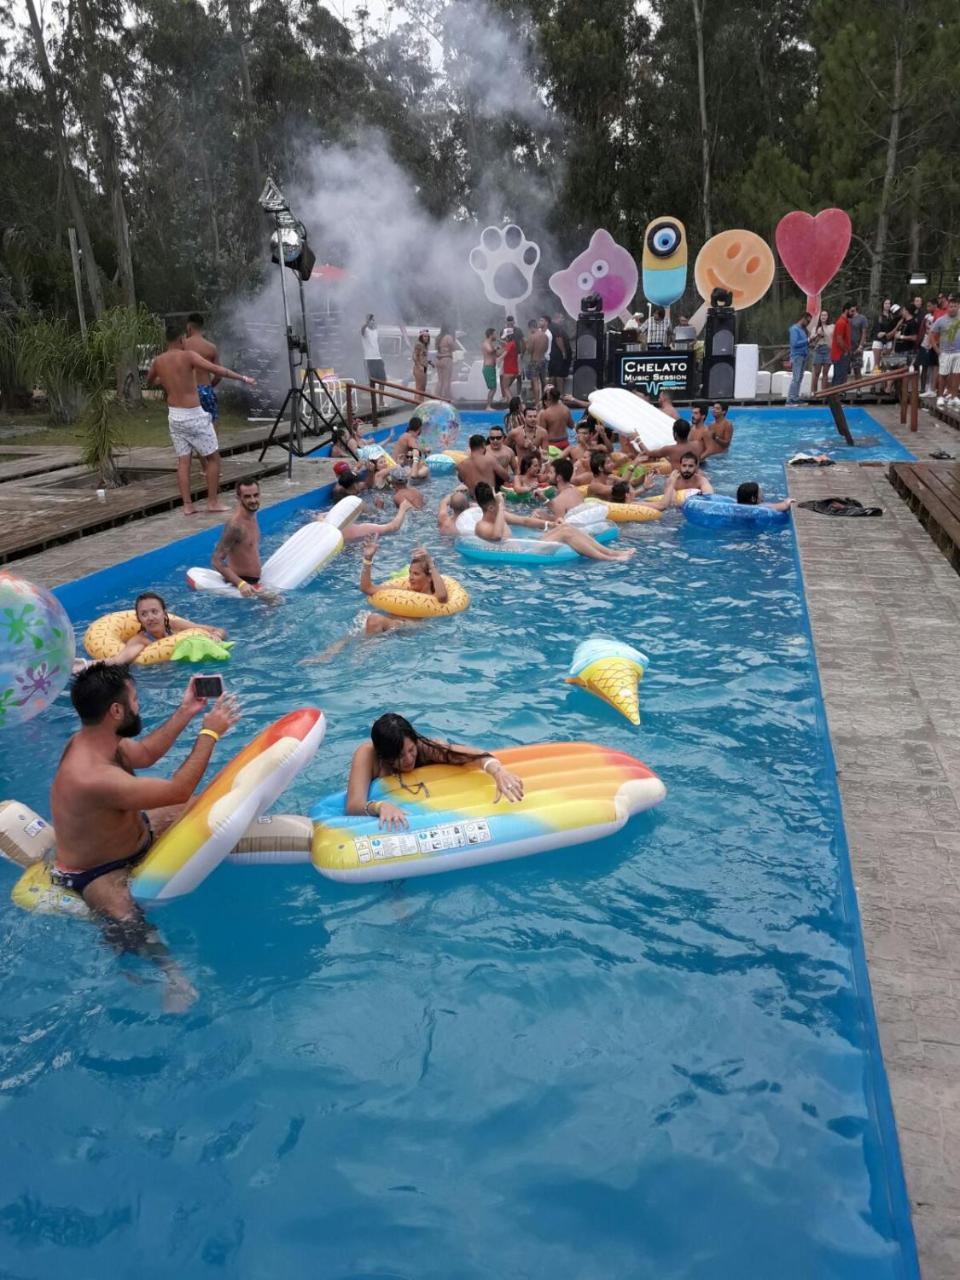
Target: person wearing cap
x=421, y=361
x=350, y=484
x=398, y=480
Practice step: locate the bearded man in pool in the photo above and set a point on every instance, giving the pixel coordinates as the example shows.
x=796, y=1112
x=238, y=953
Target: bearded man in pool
x=106, y=818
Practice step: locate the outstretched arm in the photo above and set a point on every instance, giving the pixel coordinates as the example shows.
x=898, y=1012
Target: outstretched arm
x=220, y=370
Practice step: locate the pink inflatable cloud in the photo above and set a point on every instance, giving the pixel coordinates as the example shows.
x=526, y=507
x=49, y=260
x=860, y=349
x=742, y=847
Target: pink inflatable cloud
x=812, y=249
x=604, y=267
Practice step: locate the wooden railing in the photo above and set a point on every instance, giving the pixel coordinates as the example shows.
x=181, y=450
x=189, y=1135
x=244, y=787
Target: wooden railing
x=377, y=388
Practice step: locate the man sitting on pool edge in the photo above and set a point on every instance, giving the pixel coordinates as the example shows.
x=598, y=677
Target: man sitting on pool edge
x=494, y=523
x=106, y=818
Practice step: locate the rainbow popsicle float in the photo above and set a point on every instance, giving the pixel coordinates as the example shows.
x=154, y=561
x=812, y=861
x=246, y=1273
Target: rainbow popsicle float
x=574, y=792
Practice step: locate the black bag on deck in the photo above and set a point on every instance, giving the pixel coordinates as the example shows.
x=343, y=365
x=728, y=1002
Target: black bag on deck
x=840, y=507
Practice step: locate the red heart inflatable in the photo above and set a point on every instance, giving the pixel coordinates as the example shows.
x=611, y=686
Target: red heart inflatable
x=812, y=249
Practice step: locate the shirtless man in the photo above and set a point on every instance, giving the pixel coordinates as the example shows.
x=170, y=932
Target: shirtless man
x=206, y=382
x=719, y=437
x=555, y=418
x=479, y=465
x=530, y=437
x=177, y=370
x=106, y=818
x=489, y=350
x=698, y=430
x=402, y=491
x=495, y=523
x=674, y=452
x=535, y=359
x=500, y=452
x=567, y=496
x=581, y=452
x=408, y=451
x=687, y=476
x=237, y=556
x=451, y=506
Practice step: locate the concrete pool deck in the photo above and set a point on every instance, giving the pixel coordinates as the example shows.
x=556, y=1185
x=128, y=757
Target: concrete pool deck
x=884, y=607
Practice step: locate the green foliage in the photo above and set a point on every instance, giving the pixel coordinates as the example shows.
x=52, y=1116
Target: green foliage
x=79, y=373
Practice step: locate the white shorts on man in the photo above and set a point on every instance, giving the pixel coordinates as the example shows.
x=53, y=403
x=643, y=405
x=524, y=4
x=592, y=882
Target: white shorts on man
x=191, y=431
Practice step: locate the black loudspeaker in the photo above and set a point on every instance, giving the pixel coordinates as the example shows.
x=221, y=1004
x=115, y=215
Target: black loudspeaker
x=588, y=354
x=719, y=354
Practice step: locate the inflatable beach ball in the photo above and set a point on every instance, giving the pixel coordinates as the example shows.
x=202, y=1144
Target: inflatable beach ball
x=36, y=649
x=438, y=416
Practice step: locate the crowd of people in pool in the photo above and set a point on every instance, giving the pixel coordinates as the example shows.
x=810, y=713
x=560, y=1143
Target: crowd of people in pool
x=107, y=817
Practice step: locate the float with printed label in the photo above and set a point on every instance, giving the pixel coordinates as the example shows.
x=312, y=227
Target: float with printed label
x=574, y=792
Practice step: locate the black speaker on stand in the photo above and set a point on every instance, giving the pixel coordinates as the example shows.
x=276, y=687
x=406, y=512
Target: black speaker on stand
x=719, y=348
x=590, y=347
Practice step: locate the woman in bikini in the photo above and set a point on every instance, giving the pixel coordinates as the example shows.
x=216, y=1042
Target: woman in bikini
x=395, y=748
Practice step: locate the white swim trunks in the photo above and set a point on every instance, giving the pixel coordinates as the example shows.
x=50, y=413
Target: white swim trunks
x=191, y=431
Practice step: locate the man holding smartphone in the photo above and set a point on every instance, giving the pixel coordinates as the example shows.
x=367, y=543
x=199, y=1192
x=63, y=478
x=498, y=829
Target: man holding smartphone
x=106, y=818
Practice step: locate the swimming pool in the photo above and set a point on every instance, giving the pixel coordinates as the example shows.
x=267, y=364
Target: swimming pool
x=651, y=1057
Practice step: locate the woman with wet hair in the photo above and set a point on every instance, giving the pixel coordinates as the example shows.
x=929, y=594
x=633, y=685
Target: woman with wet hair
x=155, y=624
x=395, y=748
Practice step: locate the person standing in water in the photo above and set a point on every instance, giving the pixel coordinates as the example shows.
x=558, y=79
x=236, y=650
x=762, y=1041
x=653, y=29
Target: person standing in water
x=106, y=818
x=237, y=554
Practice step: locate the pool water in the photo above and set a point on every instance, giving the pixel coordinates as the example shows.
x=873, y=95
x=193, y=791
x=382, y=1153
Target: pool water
x=651, y=1057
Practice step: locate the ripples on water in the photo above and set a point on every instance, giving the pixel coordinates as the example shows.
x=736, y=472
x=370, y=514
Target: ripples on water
x=640, y=1058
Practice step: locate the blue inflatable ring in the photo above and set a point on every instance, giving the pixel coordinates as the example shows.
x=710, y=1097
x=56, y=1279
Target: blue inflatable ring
x=528, y=551
x=715, y=511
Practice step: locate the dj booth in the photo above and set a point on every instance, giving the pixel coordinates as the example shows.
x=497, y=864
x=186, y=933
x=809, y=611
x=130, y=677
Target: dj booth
x=650, y=370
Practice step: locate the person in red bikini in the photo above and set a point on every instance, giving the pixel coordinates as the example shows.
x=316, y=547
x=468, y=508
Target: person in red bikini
x=510, y=369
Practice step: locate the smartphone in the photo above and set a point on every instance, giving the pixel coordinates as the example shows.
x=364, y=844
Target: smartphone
x=208, y=686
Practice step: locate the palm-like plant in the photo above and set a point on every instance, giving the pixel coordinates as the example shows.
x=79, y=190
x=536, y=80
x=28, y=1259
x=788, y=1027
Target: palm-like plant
x=79, y=374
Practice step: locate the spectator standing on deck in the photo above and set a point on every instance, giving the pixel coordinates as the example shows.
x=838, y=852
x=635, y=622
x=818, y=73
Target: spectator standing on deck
x=489, y=350
x=858, y=340
x=841, y=346
x=558, y=362
x=945, y=340
x=371, y=350
x=820, y=339
x=799, y=350
x=421, y=361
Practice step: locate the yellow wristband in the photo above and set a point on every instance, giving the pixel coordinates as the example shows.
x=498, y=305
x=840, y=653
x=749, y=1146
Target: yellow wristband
x=209, y=733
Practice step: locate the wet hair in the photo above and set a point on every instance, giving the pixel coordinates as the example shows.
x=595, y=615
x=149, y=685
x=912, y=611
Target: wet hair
x=196, y=319
x=529, y=408
x=388, y=733
x=552, y=394
x=458, y=501
x=528, y=462
x=689, y=454
x=515, y=405
x=488, y=333
x=173, y=331
x=346, y=479
x=598, y=460
x=420, y=558
x=483, y=493
x=681, y=431
x=721, y=406
x=245, y=484
x=563, y=469
x=414, y=424
x=94, y=690
x=478, y=442
x=619, y=491
x=748, y=493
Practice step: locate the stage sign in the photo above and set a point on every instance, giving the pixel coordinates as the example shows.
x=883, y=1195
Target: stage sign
x=656, y=371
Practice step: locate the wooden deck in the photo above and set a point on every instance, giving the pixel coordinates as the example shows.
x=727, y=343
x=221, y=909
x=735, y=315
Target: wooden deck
x=932, y=491
x=34, y=517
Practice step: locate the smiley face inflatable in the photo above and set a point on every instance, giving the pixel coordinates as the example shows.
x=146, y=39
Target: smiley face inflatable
x=736, y=260
x=664, y=261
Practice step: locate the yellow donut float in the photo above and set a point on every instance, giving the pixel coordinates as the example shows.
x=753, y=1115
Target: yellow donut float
x=396, y=597
x=107, y=636
x=456, y=454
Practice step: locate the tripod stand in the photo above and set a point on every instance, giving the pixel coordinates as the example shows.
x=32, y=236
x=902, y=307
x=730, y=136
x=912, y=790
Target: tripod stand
x=299, y=402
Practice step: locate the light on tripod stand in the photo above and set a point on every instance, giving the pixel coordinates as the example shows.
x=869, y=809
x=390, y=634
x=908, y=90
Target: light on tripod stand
x=289, y=248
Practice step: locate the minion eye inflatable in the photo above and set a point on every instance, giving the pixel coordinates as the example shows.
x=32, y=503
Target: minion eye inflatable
x=664, y=261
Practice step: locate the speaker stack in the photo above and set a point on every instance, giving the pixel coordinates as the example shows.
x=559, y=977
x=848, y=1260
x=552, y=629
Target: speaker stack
x=719, y=348
x=589, y=351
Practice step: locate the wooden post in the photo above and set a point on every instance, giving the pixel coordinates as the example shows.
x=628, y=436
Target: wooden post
x=373, y=402
x=903, y=400
x=348, y=387
x=914, y=400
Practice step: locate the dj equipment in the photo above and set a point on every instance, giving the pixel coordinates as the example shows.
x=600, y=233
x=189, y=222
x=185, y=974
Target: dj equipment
x=589, y=352
x=719, y=354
